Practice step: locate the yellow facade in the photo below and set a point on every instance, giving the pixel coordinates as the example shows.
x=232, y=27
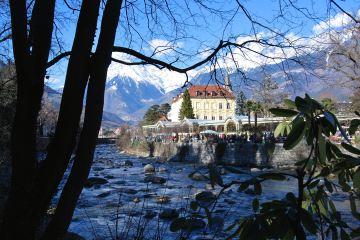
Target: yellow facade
x=213, y=108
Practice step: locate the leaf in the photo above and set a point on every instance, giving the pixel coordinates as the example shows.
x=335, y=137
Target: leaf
x=353, y=207
x=280, y=112
x=272, y=176
x=321, y=147
x=344, y=235
x=343, y=133
x=302, y=105
x=356, y=180
x=350, y=148
x=296, y=133
x=328, y=185
x=308, y=222
x=354, y=124
x=289, y=103
x=178, y=224
x=279, y=129
x=330, y=118
x=205, y=198
x=255, y=204
x=193, y=205
x=315, y=105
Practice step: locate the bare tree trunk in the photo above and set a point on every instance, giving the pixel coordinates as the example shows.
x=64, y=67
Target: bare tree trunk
x=31, y=52
x=60, y=149
x=93, y=115
x=255, y=119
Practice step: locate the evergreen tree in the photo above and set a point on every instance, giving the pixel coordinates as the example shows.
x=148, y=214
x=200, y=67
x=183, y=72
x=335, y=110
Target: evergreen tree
x=186, y=110
x=152, y=115
x=164, y=109
x=240, y=106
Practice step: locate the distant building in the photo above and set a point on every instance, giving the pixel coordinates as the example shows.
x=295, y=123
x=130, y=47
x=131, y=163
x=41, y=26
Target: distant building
x=209, y=102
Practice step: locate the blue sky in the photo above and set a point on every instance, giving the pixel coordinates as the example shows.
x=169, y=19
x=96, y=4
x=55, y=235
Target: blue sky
x=205, y=30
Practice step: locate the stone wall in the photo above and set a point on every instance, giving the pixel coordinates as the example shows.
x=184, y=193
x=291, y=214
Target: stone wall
x=238, y=154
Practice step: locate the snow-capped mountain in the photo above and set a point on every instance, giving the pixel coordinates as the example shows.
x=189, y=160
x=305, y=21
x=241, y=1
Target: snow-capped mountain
x=125, y=96
x=129, y=98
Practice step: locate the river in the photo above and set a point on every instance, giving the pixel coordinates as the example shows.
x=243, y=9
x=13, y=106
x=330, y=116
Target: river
x=122, y=204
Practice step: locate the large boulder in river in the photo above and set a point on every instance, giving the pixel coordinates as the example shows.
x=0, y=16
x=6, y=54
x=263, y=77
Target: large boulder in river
x=154, y=179
x=149, y=168
x=169, y=213
x=93, y=181
x=198, y=177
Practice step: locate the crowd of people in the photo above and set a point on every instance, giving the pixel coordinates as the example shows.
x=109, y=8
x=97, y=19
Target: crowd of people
x=261, y=137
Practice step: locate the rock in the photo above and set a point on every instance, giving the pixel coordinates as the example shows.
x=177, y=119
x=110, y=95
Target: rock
x=128, y=191
x=128, y=163
x=136, y=200
x=216, y=224
x=73, y=236
x=109, y=177
x=94, y=181
x=149, y=214
x=104, y=194
x=169, y=213
x=162, y=199
x=198, y=177
x=197, y=224
x=154, y=179
x=149, y=168
x=162, y=169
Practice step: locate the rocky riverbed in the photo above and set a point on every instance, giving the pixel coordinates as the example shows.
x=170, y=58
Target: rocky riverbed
x=137, y=198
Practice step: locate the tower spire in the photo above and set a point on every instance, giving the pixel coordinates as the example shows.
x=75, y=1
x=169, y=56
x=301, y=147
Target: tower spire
x=228, y=82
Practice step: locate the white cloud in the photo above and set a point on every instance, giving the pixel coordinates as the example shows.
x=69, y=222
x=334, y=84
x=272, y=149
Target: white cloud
x=337, y=21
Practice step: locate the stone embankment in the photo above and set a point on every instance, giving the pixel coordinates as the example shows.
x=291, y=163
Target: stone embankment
x=238, y=154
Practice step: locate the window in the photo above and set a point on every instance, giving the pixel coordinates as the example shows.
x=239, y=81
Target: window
x=213, y=93
x=220, y=105
x=198, y=93
x=205, y=117
x=212, y=117
x=197, y=105
x=228, y=105
x=197, y=116
x=220, y=117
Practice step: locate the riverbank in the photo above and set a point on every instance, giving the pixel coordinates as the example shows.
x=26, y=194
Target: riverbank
x=238, y=154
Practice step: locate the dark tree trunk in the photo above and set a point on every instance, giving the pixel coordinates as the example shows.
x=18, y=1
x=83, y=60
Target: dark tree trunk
x=31, y=52
x=249, y=117
x=93, y=115
x=255, y=119
x=60, y=149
